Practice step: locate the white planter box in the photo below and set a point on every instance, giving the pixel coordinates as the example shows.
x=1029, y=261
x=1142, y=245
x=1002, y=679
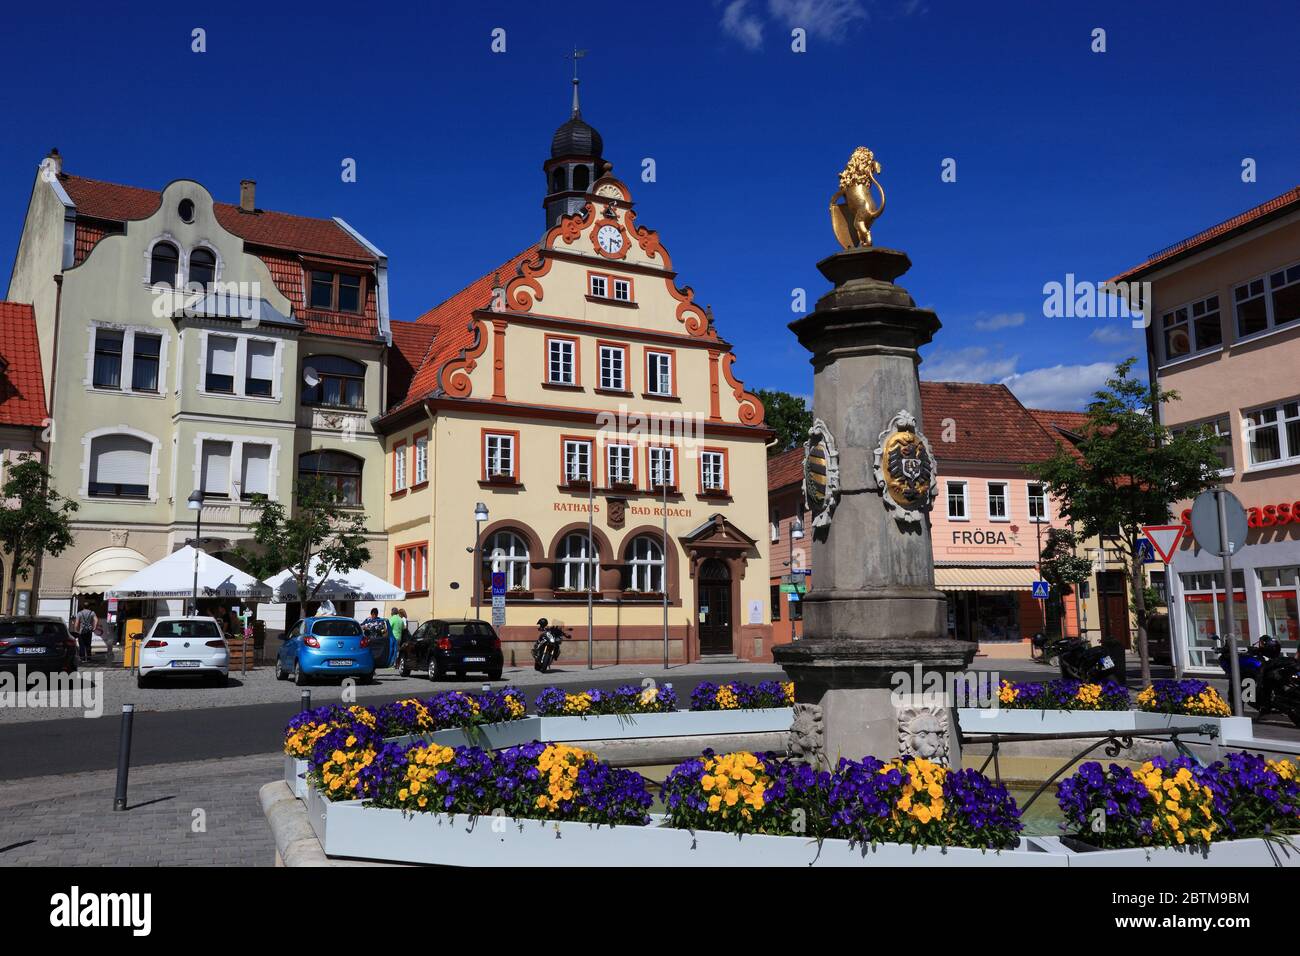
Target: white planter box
x=295, y=775
x=352, y=829
x=1252, y=852
x=680, y=723
x=1003, y=720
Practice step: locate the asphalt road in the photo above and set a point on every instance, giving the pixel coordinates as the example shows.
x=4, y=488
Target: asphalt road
x=74, y=745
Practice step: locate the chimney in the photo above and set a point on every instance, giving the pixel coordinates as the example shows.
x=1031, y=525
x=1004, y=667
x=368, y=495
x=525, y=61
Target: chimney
x=248, y=195
x=54, y=162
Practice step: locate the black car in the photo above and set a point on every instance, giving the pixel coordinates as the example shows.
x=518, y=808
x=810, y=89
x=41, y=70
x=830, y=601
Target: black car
x=440, y=647
x=39, y=643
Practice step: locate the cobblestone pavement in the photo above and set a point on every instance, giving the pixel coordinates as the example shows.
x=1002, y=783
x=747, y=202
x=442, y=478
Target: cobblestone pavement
x=117, y=687
x=185, y=814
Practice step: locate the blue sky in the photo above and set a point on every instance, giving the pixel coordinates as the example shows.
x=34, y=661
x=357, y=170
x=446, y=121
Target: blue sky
x=1068, y=161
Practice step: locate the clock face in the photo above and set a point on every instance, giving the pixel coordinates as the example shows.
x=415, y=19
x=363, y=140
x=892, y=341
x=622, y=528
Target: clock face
x=610, y=239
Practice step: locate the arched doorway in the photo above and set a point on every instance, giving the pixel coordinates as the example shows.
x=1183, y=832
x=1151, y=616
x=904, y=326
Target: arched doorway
x=715, y=607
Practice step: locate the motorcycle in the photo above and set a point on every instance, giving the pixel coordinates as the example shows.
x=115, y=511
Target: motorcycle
x=546, y=649
x=1273, y=677
x=1080, y=660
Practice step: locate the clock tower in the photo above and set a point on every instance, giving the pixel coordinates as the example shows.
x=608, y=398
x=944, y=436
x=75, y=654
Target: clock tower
x=574, y=165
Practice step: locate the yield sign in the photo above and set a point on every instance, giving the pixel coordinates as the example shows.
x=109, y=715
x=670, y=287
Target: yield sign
x=1164, y=539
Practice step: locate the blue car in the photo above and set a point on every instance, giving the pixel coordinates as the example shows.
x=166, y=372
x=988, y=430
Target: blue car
x=320, y=646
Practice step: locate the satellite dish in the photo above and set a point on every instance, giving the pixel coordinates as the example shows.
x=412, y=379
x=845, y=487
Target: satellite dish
x=310, y=376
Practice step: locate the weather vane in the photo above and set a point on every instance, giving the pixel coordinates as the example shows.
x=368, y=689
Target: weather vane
x=575, y=56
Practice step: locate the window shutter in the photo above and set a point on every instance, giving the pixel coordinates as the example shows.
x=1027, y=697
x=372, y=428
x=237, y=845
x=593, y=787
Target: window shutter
x=261, y=360
x=120, y=460
x=257, y=470
x=216, y=467
x=221, y=356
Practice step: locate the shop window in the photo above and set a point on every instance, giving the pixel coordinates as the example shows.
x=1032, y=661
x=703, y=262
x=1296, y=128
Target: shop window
x=1204, y=610
x=1281, y=600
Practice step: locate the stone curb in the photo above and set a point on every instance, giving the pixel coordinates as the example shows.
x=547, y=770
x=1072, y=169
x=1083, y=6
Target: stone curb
x=295, y=843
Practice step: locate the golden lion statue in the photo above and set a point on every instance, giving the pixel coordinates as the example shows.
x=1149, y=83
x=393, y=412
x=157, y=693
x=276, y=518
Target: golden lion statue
x=853, y=218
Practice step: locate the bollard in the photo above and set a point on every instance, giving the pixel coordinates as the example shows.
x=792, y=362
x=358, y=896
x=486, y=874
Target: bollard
x=123, y=757
x=305, y=698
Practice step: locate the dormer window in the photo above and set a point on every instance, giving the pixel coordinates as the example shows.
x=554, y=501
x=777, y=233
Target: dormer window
x=164, y=264
x=336, y=291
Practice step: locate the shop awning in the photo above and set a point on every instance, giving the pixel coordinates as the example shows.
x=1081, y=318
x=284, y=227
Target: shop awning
x=173, y=577
x=105, y=568
x=351, y=585
x=970, y=578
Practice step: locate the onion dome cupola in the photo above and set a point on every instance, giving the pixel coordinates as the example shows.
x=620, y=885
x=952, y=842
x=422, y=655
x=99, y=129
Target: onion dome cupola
x=575, y=161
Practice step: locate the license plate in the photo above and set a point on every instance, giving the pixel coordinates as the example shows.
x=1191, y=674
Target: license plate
x=476, y=660
x=339, y=663
x=185, y=663
x=30, y=650
x=1107, y=662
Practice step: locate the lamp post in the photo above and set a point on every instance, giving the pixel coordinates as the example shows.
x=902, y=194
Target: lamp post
x=480, y=515
x=796, y=534
x=195, y=504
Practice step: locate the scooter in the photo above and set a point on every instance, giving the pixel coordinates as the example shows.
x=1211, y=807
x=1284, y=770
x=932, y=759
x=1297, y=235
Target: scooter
x=1080, y=660
x=1273, y=677
x=546, y=648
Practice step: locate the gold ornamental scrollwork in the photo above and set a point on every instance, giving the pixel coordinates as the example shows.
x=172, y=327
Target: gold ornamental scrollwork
x=821, y=473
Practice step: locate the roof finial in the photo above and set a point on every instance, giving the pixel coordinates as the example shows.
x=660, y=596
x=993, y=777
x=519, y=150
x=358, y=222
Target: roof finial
x=575, y=56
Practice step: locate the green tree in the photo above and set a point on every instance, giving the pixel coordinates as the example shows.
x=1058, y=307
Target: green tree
x=39, y=523
x=1129, y=471
x=1060, y=564
x=788, y=416
x=320, y=527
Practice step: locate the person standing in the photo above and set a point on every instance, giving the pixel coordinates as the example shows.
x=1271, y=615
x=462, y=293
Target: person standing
x=397, y=624
x=87, y=621
x=380, y=634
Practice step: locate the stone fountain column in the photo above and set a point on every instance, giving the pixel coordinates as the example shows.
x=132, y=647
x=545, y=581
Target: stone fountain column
x=874, y=650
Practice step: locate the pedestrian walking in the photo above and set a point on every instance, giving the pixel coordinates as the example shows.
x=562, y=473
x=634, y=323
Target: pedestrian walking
x=87, y=621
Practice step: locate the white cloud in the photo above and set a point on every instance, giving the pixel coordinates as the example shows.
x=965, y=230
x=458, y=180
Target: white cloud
x=1003, y=320
x=1060, y=386
x=824, y=19
x=743, y=27
x=971, y=364
x=1116, y=333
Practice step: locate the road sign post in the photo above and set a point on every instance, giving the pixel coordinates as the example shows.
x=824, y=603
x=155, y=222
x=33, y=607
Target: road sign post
x=498, y=600
x=1219, y=525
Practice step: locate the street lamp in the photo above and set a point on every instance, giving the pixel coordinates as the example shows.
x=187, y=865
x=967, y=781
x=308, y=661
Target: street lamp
x=480, y=516
x=796, y=528
x=195, y=504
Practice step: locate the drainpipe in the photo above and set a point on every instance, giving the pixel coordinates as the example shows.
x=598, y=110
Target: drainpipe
x=45, y=446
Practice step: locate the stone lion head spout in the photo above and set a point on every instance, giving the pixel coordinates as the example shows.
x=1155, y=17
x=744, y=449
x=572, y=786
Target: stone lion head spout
x=852, y=219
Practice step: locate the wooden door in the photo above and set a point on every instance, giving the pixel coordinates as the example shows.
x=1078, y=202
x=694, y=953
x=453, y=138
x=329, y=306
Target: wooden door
x=1112, y=599
x=715, y=608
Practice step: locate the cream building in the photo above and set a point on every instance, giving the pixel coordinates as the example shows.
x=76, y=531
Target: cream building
x=270, y=365
x=570, y=388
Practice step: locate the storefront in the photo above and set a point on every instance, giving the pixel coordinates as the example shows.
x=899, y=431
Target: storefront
x=990, y=605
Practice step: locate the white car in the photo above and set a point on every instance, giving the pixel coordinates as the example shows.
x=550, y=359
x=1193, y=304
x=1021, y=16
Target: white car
x=189, y=646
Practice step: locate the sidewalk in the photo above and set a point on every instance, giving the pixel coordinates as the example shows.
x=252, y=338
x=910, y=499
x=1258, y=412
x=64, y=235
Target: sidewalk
x=68, y=820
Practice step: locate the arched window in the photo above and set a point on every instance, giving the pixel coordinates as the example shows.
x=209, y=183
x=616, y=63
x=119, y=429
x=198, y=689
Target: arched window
x=645, y=560
x=203, y=268
x=164, y=264
x=340, y=472
x=119, y=466
x=557, y=180
x=579, y=559
x=334, y=381
x=512, y=559
x=580, y=178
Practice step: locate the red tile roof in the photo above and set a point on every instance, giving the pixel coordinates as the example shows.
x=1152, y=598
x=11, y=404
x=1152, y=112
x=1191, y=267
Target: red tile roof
x=988, y=424
x=785, y=469
x=22, y=385
x=411, y=341
x=1275, y=206
x=1072, y=422
x=278, y=230
x=451, y=319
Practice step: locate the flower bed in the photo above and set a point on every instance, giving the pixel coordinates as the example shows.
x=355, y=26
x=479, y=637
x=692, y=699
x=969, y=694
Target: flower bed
x=741, y=696
x=1179, y=803
x=1194, y=698
x=1068, y=695
x=628, y=699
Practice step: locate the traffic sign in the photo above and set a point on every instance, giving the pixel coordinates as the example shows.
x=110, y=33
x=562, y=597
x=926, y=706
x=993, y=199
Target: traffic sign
x=805, y=572
x=1205, y=522
x=1146, y=551
x=792, y=588
x=1164, y=539
x=498, y=583
x=1042, y=590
